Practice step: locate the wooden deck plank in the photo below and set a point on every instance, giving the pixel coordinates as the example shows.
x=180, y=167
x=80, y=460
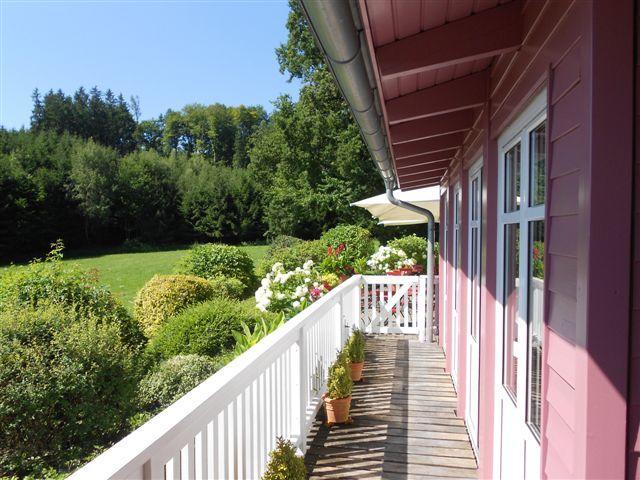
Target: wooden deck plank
x=404, y=420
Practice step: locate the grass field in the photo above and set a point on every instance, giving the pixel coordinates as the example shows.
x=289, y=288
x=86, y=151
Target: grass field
x=126, y=273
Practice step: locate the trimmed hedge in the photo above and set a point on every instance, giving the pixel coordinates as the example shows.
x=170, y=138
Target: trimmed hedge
x=53, y=282
x=293, y=256
x=165, y=295
x=172, y=378
x=68, y=386
x=204, y=329
x=228, y=287
x=357, y=240
x=212, y=259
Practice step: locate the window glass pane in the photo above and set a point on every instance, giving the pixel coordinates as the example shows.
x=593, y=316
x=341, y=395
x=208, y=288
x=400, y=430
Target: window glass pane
x=512, y=179
x=474, y=199
x=475, y=281
x=510, y=302
x=458, y=246
x=537, y=174
x=535, y=319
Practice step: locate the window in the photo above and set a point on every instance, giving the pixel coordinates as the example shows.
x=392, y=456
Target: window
x=535, y=319
x=538, y=159
x=512, y=179
x=511, y=306
x=523, y=173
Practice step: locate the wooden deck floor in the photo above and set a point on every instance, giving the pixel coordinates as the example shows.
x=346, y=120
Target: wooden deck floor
x=404, y=422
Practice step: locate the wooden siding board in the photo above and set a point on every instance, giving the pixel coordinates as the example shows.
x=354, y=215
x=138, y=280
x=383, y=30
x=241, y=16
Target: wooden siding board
x=555, y=466
x=560, y=437
x=564, y=191
x=561, y=396
x=564, y=111
x=561, y=354
x=562, y=275
x=563, y=236
x=569, y=153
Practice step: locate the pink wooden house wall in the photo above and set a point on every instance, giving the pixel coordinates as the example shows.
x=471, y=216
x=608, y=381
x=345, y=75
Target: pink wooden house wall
x=582, y=52
x=633, y=437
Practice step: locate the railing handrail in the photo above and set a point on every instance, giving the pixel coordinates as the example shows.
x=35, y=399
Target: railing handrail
x=193, y=405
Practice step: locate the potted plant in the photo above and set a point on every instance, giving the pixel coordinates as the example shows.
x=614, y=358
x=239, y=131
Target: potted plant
x=284, y=463
x=355, y=349
x=337, y=400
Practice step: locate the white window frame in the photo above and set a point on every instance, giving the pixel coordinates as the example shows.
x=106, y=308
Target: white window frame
x=518, y=132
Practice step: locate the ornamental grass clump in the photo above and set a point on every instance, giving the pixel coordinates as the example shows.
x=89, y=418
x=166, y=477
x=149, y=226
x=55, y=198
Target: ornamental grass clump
x=248, y=337
x=284, y=463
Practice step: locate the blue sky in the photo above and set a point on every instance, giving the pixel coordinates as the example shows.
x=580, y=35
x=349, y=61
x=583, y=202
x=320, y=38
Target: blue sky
x=169, y=53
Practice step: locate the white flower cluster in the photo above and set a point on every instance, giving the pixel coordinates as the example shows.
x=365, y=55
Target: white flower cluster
x=389, y=258
x=283, y=290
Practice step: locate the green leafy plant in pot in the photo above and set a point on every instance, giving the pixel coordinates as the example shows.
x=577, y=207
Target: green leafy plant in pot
x=355, y=352
x=284, y=463
x=337, y=400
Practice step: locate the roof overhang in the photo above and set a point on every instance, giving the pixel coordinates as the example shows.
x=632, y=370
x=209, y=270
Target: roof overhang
x=428, y=65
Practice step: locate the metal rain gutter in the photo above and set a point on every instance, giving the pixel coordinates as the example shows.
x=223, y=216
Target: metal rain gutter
x=337, y=28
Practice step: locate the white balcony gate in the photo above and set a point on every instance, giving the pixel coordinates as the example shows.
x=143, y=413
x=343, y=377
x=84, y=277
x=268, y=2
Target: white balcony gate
x=226, y=427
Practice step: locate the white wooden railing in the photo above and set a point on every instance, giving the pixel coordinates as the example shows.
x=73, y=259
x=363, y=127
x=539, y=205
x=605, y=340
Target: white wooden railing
x=396, y=304
x=225, y=427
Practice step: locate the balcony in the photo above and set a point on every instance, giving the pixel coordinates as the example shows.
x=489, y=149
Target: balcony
x=404, y=426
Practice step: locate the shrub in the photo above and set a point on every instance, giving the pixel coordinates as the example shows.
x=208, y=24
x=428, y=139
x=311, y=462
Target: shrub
x=358, y=241
x=387, y=259
x=284, y=464
x=282, y=241
x=165, y=295
x=53, y=282
x=415, y=247
x=355, y=347
x=212, y=259
x=289, y=292
x=205, y=329
x=228, y=287
x=68, y=386
x=172, y=378
x=339, y=384
x=293, y=256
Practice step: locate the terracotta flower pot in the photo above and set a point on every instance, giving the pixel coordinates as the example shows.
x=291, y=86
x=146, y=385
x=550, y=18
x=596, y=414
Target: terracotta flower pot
x=356, y=371
x=337, y=409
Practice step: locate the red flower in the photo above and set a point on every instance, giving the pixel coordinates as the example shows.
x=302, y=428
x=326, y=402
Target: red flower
x=330, y=250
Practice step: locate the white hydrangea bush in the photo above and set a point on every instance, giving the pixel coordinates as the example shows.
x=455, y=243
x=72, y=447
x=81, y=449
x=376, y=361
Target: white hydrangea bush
x=289, y=291
x=387, y=259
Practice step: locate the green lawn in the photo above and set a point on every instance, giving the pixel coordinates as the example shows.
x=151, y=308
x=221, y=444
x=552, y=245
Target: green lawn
x=126, y=273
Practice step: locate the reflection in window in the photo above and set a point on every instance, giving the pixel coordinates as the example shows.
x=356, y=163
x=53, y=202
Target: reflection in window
x=535, y=319
x=458, y=245
x=512, y=179
x=538, y=158
x=511, y=284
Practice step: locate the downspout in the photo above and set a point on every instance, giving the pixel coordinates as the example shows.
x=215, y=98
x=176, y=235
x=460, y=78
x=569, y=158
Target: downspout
x=337, y=28
x=426, y=332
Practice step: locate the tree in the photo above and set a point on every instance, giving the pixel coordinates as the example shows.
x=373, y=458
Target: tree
x=94, y=169
x=147, y=205
x=310, y=155
x=104, y=118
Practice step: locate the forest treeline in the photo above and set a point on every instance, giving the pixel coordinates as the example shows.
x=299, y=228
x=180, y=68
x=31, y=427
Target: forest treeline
x=90, y=171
